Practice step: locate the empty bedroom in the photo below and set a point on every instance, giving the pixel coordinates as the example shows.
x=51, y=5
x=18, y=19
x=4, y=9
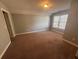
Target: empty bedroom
x=38, y=29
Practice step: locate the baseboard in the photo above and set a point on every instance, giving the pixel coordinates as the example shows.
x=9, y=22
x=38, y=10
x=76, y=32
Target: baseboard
x=32, y=32
x=5, y=50
x=58, y=32
x=69, y=42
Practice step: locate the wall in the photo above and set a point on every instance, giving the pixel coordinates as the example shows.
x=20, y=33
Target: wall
x=72, y=23
x=28, y=23
x=4, y=35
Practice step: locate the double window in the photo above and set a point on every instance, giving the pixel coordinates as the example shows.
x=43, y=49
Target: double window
x=59, y=21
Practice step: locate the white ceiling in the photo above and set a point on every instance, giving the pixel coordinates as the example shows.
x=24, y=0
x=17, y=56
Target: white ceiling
x=32, y=6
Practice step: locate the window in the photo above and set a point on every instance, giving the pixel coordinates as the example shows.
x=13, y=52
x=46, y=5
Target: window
x=59, y=21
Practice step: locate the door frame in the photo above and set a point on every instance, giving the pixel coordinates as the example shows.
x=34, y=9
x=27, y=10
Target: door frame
x=10, y=21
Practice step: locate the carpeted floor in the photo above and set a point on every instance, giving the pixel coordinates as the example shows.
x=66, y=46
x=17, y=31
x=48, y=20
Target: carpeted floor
x=41, y=45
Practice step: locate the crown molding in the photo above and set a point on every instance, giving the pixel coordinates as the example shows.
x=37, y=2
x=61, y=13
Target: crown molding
x=33, y=12
x=28, y=12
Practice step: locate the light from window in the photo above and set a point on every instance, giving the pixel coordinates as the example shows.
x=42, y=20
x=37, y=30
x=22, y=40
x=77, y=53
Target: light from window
x=56, y=21
x=60, y=21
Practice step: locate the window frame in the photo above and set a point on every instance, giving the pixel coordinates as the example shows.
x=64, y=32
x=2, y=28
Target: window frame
x=58, y=13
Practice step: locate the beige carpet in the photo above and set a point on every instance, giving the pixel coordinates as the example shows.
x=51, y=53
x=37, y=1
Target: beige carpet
x=41, y=45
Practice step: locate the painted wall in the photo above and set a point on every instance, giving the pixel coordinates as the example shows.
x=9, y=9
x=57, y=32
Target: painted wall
x=72, y=23
x=28, y=23
x=4, y=35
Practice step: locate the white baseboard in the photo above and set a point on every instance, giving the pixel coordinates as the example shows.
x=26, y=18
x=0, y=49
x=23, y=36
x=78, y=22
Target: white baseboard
x=58, y=32
x=5, y=50
x=31, y=32
x=69, y=42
